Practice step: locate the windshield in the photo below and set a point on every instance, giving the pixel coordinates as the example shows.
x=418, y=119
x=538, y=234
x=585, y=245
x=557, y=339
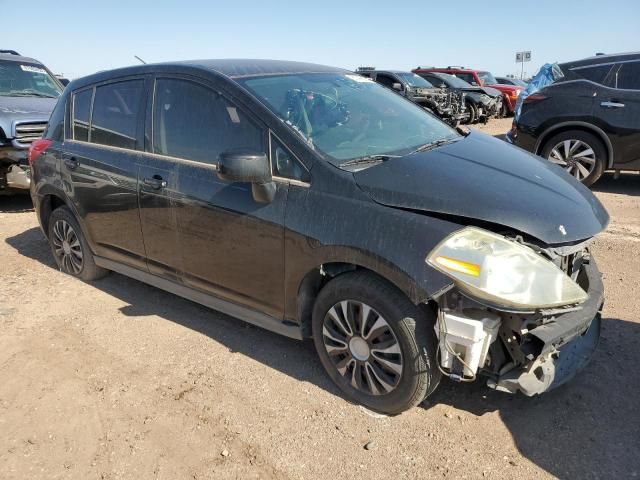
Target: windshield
x=415, y=80
x=346, y=116
x=26, y=80
x=487, y=78
x=454, y=82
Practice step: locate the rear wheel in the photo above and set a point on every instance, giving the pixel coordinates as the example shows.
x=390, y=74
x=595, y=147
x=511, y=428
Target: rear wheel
x=374, y=343
x=581, y=154
x=69, y=247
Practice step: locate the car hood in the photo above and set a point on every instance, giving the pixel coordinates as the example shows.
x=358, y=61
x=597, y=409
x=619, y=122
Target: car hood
x=492, y=92
x=18, y=109
x=483, y=178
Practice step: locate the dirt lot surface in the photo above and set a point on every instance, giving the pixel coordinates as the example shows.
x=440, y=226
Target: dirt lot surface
x=116, y=379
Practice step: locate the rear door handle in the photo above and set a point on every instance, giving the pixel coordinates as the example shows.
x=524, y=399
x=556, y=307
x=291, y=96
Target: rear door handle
x=611, y=105
x=156, y=182
x=71, y=163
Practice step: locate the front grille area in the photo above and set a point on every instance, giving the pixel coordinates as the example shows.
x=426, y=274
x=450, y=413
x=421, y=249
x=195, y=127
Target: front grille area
x=26, y=133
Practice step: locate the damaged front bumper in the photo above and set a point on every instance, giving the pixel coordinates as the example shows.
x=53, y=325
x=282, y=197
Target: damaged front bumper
x=560, y=347
x=15, y=172
x=530, y=352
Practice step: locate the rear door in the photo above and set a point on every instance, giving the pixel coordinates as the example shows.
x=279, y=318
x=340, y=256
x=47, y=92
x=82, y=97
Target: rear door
x=99, y=166
x=618, y=107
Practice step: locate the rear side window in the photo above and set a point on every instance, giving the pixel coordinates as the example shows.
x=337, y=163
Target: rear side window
x=116, y=114
x=193, y=122
x=597, y=73
x=81, y=112
x=628, y=77
x=55, y=127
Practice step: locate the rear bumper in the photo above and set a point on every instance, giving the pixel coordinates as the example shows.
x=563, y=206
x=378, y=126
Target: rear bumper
x=565, y=344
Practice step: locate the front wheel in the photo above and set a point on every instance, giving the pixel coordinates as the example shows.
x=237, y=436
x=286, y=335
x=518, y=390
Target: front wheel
x=374, y=343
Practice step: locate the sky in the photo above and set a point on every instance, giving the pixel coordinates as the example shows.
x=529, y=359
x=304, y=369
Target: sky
x=77, y=38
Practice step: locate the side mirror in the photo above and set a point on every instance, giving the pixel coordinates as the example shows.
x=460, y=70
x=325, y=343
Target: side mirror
x=248, y=167
x=397, y=86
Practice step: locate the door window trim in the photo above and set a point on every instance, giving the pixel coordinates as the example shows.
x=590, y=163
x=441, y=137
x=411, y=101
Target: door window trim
x=73, y=113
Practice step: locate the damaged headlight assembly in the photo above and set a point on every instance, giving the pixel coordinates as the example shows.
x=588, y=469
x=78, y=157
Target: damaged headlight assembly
x=502, y=272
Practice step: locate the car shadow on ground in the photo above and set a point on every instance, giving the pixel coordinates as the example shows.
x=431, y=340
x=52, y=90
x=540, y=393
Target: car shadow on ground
x=628, y=183
x=588, y=428
x=17, y=203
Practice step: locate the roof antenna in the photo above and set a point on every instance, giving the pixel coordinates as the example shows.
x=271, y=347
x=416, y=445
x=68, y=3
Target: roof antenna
x=141, y=60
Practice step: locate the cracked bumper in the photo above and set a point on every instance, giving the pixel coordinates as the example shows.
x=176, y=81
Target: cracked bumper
x=566, y=344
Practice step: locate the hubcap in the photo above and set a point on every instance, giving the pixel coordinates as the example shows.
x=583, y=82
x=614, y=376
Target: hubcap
x=575, y=156
x=67, y=247
x=362, y=347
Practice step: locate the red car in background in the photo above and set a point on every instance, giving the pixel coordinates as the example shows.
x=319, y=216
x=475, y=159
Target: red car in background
x=484, y=79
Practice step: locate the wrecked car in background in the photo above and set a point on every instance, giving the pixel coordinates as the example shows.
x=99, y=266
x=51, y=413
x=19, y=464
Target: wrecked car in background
x=482, y=103
x=450, y=106
x=481, y=78
x=316, y=203
x=28, y=93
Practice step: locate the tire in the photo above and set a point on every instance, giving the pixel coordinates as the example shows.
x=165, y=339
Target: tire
x=587, y=154
x=401, y=328
x=69, y=247
x=473, y=113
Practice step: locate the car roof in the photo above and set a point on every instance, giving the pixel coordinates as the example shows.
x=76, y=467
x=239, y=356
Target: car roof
x=18, y=58
x=231, y=68
x=601, y=59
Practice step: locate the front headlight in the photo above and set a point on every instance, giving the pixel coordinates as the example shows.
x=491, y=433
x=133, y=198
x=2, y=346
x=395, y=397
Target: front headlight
x=503, y=272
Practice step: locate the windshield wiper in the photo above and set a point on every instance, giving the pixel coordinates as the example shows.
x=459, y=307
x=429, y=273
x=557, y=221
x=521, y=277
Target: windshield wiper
x=28, y=93
x=434, y=144
x=368, y=159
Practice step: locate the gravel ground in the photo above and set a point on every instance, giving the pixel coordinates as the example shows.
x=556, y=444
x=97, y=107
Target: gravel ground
x=116, y=379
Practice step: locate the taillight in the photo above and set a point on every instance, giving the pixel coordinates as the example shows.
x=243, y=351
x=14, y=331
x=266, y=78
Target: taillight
x=36, y=149
x=534, y=97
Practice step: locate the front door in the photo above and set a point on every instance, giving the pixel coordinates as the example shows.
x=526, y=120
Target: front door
x=230, y=245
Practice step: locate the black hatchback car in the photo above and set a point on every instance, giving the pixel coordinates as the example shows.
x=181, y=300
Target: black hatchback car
x=587, y=121
x=313, y=202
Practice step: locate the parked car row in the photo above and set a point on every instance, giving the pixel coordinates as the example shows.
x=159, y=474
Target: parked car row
x=450, y=106
x=317, y=203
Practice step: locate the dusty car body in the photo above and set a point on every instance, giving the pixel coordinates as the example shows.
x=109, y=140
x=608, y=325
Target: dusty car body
x=314, y=202
x=450, y=106
x=28, y=93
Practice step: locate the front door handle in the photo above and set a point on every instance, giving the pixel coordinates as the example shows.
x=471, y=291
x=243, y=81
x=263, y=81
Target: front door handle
x=612, y=105
x=156, y=182
x=71, y=163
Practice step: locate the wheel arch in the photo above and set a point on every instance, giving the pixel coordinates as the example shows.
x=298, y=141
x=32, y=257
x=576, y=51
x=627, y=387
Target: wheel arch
x=48, y=203
x=315, y=279
x=576, y=125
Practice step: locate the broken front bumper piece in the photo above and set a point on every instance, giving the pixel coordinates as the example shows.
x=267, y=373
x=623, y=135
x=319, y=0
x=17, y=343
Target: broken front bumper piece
x=565, y=345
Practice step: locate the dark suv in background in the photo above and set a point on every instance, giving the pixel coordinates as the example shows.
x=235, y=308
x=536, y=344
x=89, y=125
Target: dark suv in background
x=28, y=93
x=448, y=105
x=314, y=202
x=587, y=121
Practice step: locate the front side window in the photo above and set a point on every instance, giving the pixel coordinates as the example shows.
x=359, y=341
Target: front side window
x=81, y=112
x=193, y=122
x=628, y=77
x=116, y=114
x=345, y=116
x=386, y=80
x=26, y=80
